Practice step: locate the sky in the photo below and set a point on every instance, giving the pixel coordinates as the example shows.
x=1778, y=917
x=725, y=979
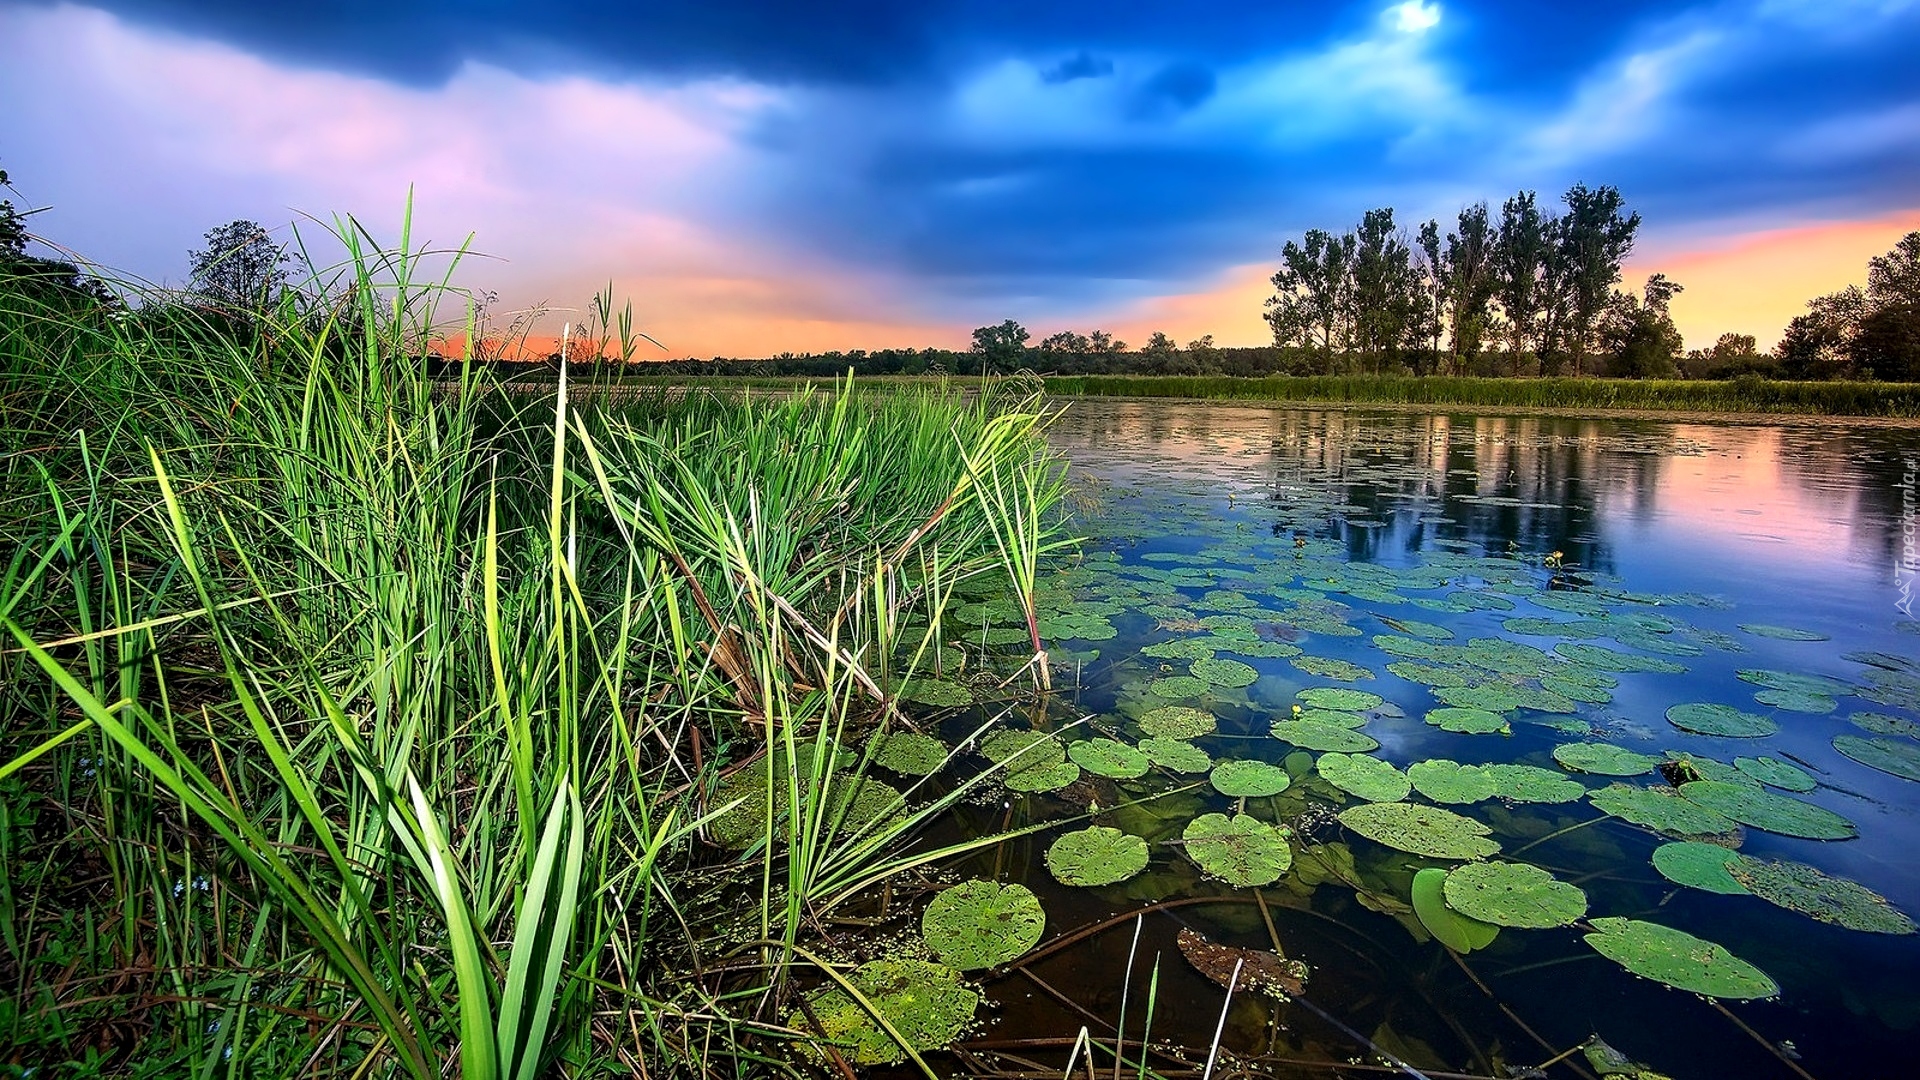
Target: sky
x=761, y=176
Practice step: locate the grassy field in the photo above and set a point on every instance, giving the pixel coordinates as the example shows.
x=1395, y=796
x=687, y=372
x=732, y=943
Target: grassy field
x=1728, y=396
x=359, y=728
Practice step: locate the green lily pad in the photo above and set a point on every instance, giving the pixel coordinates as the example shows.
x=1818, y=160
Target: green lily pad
x=1249, y=779
x=938, y=693
x=1532, y=784
x=1795, y=682
x=1339, y=699
x=1796, y=701
x=1227, y=673
x=1762, y=809
x=1041, y=778
x=979, y=924
x=1352, y=721
x=1177, y=722
x=1315, y=735
x=1660, y=809
x=1707, y=718
x=1446, y=781
x=1773, y=772
x=1096, y=856
x=1895, y=756
x=1176, y=754
x=1884, y=724
x=1599, y=656
x=926, y=1003
x=1603, y=759
x=1678, y=959
x=1240, y=850
x=911, y=753
x=1782, y=633
x=1487, y=697
x=1698, y=865
x=1449, y=927
x=1180, y=649
x=1327, y=667
x=1513, y=894
x=1177, y=686
x=1802, y=888
x=1022, y=749
x=1421, y=830
x=1109, y=757
x=1365, y=777
x=1466, y=721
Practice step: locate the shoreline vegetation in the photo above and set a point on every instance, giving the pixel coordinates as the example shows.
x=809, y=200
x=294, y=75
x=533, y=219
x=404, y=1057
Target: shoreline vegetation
x=356, y=728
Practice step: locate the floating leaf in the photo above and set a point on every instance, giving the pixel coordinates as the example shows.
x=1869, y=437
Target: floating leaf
x=1340, y=699
x=1096, y=856
x=1481, y=697
x=1263, y=972
x=1795, y=682
x=1467, y=721
x=1802, y=888
x=1599, y=656
x=1109, y=757
x=1420, y=830
x=938, y=693
x=1698, y=865
x=1228, y=673
x=1180, y=649
x=1532, y=784
x=1176, y=754
x=1446, y=781
x=979, y=924
x=1883, y=724
x=1603, y=759
x=1893, y=756
x=926, y=1003
x=1661, y=810
x=1329, y=668
x=911, y=753
x=1513, y=894
x=1316, y=735
x=1249, y=779
x=1352, y=721
x=1177, y=722
x=1795, y=701
x=1042, y=778
x=1762, y=809
x=1022, y=749
x=1366, y=777
x=1240, y=850
x=1177, y=686
x=1782, y=633
x=1773, y=772
x=1678, y=959
x=1449, y=927
x=1711, y=718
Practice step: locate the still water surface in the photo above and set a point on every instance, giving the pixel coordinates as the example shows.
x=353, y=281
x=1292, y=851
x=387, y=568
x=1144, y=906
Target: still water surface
x=1711, y=549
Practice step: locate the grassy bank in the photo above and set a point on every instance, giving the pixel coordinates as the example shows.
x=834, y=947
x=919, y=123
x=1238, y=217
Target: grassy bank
x=1729, y=396
x=358, y=728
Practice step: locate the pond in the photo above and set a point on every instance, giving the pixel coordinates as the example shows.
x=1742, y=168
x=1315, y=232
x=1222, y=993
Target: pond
x=1559, y=691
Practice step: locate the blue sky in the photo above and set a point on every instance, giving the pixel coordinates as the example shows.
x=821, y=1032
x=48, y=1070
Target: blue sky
x=762, y=176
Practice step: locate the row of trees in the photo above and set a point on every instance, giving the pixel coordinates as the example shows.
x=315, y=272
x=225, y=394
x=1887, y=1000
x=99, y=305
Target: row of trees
x=1856, y=333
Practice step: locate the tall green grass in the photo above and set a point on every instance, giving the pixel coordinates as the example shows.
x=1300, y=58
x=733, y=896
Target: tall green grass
x=363, y=724
x=1727, y=396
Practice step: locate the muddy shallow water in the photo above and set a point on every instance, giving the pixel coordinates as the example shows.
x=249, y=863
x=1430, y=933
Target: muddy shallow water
x=1576, y=580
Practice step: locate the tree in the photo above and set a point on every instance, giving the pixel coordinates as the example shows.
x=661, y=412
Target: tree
x=1160, y=356
x=1204, y=356
x=241, y=268
x=1471, y=281
x=1639, y=330
x=1594, y=238
x=1001, y=348
x=1520, y=256
x=1893, y=278
x=13, y=227
x=1102, y=342
x=1383, y=294
x=1818, y=344
x=1066, y=341
x=1310, y=305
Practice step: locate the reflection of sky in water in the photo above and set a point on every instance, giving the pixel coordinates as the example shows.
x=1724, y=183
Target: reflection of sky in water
x=1795, y=524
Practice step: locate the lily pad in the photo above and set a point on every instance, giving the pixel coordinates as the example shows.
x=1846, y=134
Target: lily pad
x=1762, y=809
x=926, y=1003
x=1773, y=772
x=1449, y=927
x=1895, y=756
x=1795, y=682
x=1096, y=856
x=1603, y=759
x=1316, y=735
x=1467, y=721
x=1782, y=633
x=1679, y=959
x=1176, y=754
x=1228, y=673
x=1599, y=656
x=1180, y=649
x=1109, y=757
x=979, y=924
x=910, y=753
x=1802, y=888
x=1532, y=784
x=1698, y=865
x=1660, y=809
x=1365, y=777
x=1486, y=697
x=1327, y=667
x=1796, y=701
x=1421, y=830
x=1249, y=779
x=1884, y=724
x=1712, y=718
x=1513, y=894
x=1021, y=749
x=1177, y=722
x=938, y=693
x=1340, y=699
x=1177, y=686
x=1446, y=781
x=1240, y=850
